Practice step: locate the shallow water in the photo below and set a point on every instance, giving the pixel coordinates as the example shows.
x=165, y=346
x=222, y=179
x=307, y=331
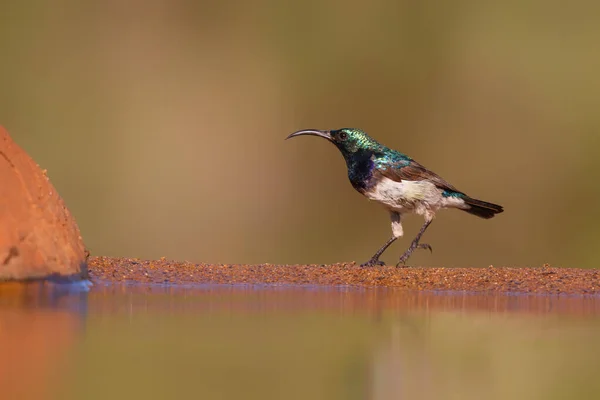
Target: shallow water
x=267, y=342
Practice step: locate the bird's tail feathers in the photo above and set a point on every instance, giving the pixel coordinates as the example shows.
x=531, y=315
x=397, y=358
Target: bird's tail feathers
x=481, y=208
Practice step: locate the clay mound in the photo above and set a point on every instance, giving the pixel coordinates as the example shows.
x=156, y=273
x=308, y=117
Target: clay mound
x=38, y=236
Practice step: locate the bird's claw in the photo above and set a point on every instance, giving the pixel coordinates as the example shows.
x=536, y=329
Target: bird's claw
x=401, y=262
x=408, y=252
x=373, y=263
x=425, y=246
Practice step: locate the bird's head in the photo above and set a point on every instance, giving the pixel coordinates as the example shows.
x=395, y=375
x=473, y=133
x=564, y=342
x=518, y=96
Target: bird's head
x=348, y=140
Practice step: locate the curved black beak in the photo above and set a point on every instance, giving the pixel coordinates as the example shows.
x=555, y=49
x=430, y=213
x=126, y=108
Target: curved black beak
x=312, y=132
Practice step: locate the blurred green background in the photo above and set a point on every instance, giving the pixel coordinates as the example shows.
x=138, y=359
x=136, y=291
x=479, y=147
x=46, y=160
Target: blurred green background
x=161, y=123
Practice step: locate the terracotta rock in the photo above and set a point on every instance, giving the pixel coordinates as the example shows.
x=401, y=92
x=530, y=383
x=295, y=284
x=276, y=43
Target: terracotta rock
x=38, y=236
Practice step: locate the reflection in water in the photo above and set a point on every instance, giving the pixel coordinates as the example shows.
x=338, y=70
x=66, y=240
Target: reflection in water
x=252, y=342
x=39, y=324
x=450, y=355
x=266, y=342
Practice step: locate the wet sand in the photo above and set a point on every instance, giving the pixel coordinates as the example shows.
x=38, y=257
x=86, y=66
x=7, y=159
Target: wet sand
x=540, y=280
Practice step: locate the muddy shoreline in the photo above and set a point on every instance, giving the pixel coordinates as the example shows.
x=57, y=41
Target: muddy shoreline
x=541, y=280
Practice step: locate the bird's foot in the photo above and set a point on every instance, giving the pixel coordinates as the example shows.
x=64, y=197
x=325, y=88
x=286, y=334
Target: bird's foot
x=425, y=246
x=409, y=251
x=373, y=262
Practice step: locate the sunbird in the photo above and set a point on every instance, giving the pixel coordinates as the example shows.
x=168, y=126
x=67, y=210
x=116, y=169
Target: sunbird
x=399, y=183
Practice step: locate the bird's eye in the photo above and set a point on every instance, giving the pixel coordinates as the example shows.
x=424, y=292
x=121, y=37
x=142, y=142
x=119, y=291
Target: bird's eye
x=343, y=135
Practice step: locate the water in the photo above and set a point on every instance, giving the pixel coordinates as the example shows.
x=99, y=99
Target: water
x=265, y=342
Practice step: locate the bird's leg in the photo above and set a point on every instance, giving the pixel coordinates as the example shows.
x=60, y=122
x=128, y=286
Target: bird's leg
x=396, y=233
x=375, y=259
x=415, y=244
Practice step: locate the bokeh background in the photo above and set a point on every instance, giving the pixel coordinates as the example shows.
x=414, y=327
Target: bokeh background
x=161, y=123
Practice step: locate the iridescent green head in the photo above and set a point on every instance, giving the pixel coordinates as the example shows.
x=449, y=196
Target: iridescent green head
x=347, y=140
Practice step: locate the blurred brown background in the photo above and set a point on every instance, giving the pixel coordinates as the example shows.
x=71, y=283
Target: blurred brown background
x=162, y=122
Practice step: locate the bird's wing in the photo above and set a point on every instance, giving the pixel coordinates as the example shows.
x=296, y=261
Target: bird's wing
x=413, y=171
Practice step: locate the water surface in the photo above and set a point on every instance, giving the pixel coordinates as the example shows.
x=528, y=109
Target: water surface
x=266, y=342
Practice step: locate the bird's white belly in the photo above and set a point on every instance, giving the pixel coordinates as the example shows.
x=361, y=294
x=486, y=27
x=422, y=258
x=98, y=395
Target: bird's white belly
x=420, y=197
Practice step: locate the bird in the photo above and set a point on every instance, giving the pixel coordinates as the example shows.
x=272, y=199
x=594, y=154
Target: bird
x=399, y=183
